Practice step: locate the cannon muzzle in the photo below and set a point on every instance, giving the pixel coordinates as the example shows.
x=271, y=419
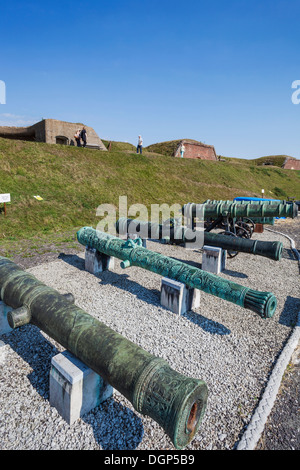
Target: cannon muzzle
x=174, y=401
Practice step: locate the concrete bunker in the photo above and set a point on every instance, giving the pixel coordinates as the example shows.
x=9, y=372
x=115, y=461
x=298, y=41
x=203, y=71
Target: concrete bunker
x=62, y=140
x=53, y=131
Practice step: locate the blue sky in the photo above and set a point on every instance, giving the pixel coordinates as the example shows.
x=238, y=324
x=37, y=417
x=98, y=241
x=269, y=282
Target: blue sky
x=220, y=72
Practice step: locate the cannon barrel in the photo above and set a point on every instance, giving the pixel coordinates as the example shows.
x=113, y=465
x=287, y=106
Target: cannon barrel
x=133, y=254
x=174, y=401
x=258, y=220
x=236, y=209
x=179, y=234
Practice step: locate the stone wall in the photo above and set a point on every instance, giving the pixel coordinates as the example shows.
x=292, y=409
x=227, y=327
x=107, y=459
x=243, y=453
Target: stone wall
x=55, y=129
x=52, y=131
x=196, y=150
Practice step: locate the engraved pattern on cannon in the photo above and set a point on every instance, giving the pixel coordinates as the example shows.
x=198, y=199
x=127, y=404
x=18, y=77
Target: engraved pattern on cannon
x=161, y=395
x=132, y=253
x=125, y=366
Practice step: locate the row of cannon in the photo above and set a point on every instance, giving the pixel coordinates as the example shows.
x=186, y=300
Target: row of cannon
x=176, y=402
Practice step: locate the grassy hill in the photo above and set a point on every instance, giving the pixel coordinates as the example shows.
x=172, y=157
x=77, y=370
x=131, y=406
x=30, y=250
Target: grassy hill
x=270, y=160
x=73, y=182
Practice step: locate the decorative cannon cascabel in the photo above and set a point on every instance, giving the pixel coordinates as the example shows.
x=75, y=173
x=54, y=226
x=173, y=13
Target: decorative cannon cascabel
x=179, y=234
x=133, y=254
x=175, y=402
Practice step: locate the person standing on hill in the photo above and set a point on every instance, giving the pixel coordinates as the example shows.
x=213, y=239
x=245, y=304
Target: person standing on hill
x=83, y=136
x=77, y=138
x=182, y=150
x=140, y=145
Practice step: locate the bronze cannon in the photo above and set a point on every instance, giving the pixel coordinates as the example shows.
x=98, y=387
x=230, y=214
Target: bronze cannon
x=215, y=209
x=238, y=217
x=176, y=402
x=133, y=254
x=178, y=234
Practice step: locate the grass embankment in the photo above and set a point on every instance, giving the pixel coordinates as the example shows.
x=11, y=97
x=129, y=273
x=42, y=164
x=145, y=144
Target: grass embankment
x=73, y=182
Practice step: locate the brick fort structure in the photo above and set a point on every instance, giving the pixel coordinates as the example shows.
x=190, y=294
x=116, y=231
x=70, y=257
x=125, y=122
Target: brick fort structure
x=53, y=131
x=291, y=164
x=196, y=150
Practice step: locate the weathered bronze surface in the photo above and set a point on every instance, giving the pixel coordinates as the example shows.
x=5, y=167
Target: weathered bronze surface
x=133, y=254
x=179, y=234
x=173, y=400
x=215, y=209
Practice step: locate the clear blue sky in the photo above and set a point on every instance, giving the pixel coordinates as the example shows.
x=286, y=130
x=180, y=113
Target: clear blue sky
x=217, y=71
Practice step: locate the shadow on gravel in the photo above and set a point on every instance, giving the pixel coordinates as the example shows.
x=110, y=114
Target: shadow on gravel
x=151, y=296
x=288, y=254
x=207, y=325
x=229, y=272
x=73, y=260
x=290, y=311
x=115, y=427
x=122, y=281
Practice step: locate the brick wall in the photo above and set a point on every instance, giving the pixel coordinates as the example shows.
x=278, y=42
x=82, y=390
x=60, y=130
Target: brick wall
x=197, y=150
x=291, y=164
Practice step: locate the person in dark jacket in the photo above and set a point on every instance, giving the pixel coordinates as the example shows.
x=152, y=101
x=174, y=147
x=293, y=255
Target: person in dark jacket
x=83, y=136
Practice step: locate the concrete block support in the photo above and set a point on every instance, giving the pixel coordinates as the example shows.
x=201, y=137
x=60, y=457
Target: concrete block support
x=75, y=389
x=4, y=326
x=213, y=259
x=178, y=297
x=96, y=262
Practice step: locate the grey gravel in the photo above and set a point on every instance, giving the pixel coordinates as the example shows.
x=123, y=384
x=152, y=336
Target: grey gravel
x=231, y=348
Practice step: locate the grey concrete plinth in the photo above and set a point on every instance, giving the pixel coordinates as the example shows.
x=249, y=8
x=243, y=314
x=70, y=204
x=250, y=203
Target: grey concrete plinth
x=96, y=262
x=178, y=297
x=4, y=326
x=213, y=259
x=75, y=389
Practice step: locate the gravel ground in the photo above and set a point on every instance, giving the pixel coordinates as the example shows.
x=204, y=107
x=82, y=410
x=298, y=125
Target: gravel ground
x=231, y=348
x=282, y=429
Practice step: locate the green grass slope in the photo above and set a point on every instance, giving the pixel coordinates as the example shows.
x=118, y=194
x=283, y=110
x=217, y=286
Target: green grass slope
x=73, y=182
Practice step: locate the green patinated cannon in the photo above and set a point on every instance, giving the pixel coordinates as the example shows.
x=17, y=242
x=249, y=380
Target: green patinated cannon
x=253, y=220
x=179, y=234
x=238, y=217
x=237, y=209
x=174, y=401
x=133, y=254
